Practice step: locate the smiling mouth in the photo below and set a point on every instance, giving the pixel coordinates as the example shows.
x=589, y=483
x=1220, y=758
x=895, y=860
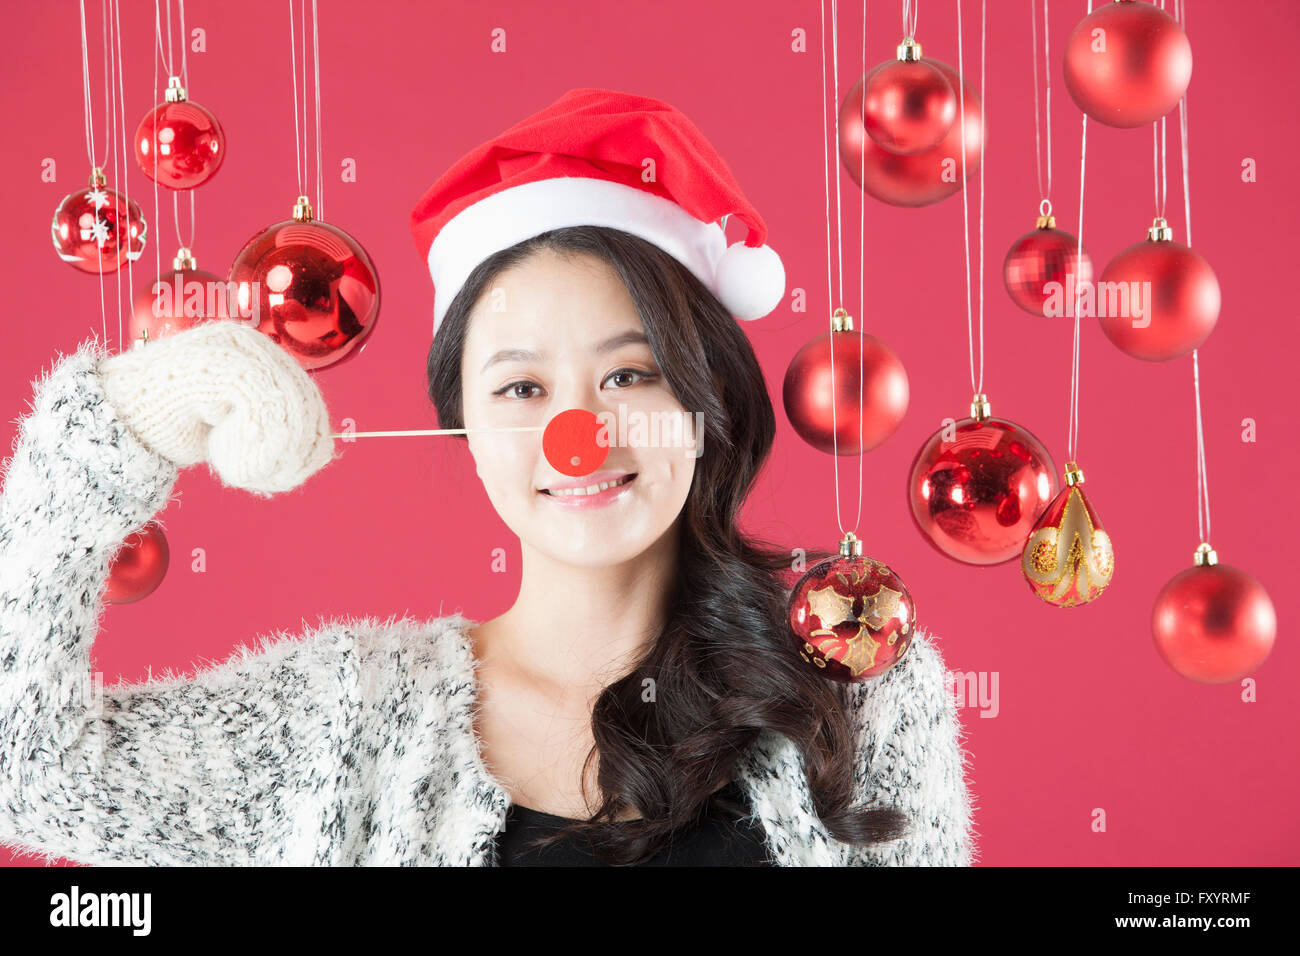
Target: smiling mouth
x=589, y=489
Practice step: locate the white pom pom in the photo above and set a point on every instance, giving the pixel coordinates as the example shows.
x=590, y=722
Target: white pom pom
x=749, y=280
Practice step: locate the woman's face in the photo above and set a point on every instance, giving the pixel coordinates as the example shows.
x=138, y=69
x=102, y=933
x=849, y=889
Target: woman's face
x=553, y=333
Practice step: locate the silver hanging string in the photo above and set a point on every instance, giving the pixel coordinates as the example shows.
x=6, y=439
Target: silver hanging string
x=1202, y=472
x=119, y=109
x=827, y=136
x=315, y=59
x=299, y=131
x=977, y=383
x=85, y=86
x=1045, y=194
x=301, y=128
x=90, y=140
x=1072, y=442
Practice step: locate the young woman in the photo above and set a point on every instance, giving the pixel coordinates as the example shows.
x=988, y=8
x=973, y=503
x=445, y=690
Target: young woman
x=640, y=702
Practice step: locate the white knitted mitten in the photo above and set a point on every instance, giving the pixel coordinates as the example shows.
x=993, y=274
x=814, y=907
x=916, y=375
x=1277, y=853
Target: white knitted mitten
x=223, y=393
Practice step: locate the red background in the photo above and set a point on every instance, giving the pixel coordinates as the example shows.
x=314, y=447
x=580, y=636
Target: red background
x=1089, y=716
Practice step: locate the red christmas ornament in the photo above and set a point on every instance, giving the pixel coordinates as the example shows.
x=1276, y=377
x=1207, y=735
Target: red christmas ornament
x=309, y=286
x=1171, y=293
x=179, y=299
x=908, y=105
x=1068, y=558
x=978, y=485
x=851, y=617
x=139, y=567
x=1043, y=256
x=1127, y=63
x=809, y=394
x=96, y=230
x=918, y=179
x=179, y=144
x=1213, y=623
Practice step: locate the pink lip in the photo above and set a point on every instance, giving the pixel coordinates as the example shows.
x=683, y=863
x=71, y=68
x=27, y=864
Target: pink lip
x=599, y=500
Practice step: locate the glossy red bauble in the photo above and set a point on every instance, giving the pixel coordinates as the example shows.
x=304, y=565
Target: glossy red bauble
x=1127, y=63
x=909, y=106
x=809, y=392
x=179, y=144
x=97, y=230
x=179, y=299
x=978, y=486
x=311, y=287
x=1214, y=624
x=1043, y=268
x=1173, y=300
x=918, y=179
x=139, y=567
x=851, y=618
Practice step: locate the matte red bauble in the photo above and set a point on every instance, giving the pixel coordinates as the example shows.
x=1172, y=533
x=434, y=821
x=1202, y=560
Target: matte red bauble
x=309, y=286
x=909, y=106
x=1127, y=63
x=1043, y=268
x=179, y=299
x=97, y=230
x=920, y=178
x=978, y=486
x=139, y=566
x=821, y=398
x=1068, y=558
x=1213, y=623
x=179, y=144
x=851, y=617
x=1172, y=294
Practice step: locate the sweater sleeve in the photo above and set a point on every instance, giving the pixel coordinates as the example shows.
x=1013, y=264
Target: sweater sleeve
x=243, y=764
x=910, y=741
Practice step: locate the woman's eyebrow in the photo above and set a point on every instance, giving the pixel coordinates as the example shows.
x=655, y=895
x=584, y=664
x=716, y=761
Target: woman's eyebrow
x=513, y=355
x=526, y=355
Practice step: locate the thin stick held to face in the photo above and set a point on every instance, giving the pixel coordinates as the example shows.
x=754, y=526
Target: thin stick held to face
x=435, y=431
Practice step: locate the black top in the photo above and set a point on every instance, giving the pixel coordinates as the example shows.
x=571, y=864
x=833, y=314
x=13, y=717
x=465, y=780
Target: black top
x=719, y=839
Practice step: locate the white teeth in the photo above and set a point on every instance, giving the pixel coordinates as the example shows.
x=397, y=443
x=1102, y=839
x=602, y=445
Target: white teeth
x=589, y=490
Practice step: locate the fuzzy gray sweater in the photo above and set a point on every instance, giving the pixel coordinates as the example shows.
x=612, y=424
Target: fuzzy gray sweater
x=351, y=743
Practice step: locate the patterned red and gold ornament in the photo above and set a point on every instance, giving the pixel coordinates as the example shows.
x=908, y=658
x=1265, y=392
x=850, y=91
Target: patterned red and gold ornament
x=851, y=617
x=179, y=144
x=139, y=566
x=1068, y=558
x=1127, y=63
x=1172, y=295
x=916, y=179
x=97, y=230
x=179, y=299
x=908, y=105
x=978, y=485
x=308, y=286
x=1041, y=256
x=1213, y=623
x=821, y=396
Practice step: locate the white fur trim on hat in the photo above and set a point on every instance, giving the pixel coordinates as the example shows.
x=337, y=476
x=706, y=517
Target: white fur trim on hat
x=749, y=282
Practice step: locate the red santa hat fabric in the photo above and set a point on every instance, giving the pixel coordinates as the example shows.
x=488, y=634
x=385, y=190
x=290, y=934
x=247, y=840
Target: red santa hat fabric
x=599, y=157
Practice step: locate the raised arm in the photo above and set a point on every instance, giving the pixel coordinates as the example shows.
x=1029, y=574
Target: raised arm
x=244, y=763
x=909, y=738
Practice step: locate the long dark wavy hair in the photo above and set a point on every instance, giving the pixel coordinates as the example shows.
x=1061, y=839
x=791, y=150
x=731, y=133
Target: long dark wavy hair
x=724, y=665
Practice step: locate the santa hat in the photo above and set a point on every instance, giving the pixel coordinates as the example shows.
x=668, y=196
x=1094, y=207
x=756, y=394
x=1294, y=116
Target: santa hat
x=586, y=160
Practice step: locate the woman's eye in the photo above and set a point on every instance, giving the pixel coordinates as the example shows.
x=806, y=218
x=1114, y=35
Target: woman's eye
x=625, y=373
x=512, y=390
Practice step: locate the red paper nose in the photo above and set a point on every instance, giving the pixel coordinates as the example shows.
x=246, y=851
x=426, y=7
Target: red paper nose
x=575, y=442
